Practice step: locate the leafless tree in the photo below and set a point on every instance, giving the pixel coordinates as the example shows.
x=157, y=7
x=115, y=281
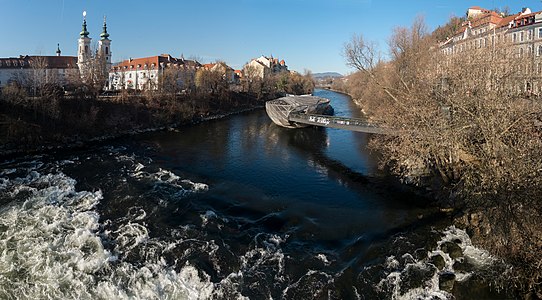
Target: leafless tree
x=209, y=81
x=469, y=119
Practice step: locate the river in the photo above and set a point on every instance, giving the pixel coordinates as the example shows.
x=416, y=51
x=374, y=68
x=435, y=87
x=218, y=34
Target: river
x=233, y=208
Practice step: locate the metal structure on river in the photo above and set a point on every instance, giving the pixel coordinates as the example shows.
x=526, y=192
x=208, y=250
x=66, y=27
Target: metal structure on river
x=302, y=111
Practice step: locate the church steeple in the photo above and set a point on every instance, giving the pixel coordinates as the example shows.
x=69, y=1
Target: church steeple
x=104, y=34
x=58, y=52
x=84, y=33
x=84, y=54
x=104, y=48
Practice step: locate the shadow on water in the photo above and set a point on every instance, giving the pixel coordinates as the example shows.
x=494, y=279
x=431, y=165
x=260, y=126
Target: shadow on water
x=257, y=209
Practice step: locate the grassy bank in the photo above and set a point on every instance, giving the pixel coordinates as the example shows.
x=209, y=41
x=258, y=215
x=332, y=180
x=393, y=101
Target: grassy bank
x=31, y=124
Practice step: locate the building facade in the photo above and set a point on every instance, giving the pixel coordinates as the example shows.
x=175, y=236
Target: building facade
x=521, y=32
x=145, y=73
x=59, y=69
x=228, y=73
x=38, y=70
x=263, y=67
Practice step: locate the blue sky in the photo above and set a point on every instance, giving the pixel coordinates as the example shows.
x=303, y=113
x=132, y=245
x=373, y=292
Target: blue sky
x=307, y=34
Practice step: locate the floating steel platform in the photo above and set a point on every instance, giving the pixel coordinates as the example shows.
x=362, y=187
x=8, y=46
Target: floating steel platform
x=280, y=109
x=303, y=111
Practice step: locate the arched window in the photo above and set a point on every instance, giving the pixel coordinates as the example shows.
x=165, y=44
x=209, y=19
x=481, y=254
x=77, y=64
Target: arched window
x=520, y=52
x=107, y=50
x=539, y=51
x=86, y=49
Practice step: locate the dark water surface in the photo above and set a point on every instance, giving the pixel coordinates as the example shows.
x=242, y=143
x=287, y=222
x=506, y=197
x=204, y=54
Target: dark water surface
x=230, y=209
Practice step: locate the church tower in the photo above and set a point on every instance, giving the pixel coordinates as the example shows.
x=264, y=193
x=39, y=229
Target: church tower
x=104, y=47
x=84, y=53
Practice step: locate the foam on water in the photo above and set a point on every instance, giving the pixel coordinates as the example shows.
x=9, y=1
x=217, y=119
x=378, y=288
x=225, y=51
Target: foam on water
x=52, y=246
x=267, y=251
x=479, y=257
x=322, y=257
x=400, y=269
x=163, y=176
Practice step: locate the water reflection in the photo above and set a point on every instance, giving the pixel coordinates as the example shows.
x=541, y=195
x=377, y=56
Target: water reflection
x=313, y=174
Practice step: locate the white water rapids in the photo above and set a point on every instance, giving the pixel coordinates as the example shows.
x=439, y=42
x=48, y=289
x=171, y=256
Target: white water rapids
x=52, y=247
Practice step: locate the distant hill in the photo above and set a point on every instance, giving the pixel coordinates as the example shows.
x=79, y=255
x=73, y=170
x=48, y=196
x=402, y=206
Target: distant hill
x=326, y=75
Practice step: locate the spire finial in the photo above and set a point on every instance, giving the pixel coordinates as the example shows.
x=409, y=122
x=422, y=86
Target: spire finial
x=58, y=52
x=84, y=32
x=104, y=34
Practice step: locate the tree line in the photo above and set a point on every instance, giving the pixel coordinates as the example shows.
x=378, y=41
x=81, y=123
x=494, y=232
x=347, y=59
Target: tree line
x=40, y=108
x=470, y=127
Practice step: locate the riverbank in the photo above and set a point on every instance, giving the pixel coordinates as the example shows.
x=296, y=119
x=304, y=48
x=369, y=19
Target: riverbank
x=501, y=217
x=30, y=126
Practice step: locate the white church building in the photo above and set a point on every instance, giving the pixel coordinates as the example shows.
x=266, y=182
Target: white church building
x=59, y=69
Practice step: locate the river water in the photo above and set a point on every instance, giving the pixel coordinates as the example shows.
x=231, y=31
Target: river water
x=234, y=208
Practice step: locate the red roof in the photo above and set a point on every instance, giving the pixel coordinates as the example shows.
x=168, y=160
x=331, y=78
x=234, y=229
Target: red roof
x=47, y=62
x=529, y=17
x=163, y=60
x=505, y=21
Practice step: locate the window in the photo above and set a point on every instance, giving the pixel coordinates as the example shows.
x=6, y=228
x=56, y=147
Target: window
x=530, y=34
x=107, y=50
x=521, y=36
x=86, y=49
x=514, y=37
x=539, y=52
x=130, y=75
x=539, y=33
x=520, y=52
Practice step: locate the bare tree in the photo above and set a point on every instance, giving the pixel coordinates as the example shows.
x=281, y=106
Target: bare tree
x=209, y=81
x=38, y=77
x=468, y=119
x=361, y=54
